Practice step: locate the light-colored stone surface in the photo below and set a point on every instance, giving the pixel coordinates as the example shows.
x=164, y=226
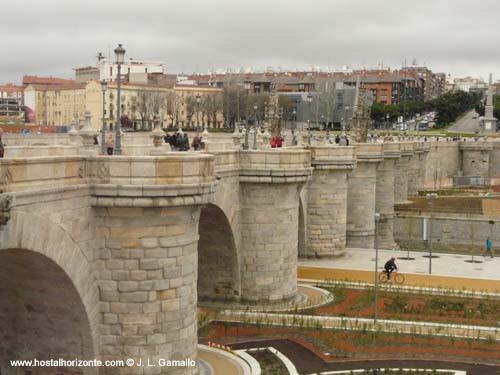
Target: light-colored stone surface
x=120, y=235
x=384, y=202
x=476, y=158
x=327, y=201
x=361, y=196
x=269, y=225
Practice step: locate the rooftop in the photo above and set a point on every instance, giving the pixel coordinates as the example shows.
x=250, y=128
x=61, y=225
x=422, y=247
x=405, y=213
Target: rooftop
x=34, y=80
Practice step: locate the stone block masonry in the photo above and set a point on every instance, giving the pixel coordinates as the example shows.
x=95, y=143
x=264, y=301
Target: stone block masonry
x=148, y=283
x=361, y=196
x=385, y=195
x=269, y=200
x=327, y=201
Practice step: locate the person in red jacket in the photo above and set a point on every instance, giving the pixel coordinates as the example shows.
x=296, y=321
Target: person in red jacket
x=273, y=142
x=279, y=141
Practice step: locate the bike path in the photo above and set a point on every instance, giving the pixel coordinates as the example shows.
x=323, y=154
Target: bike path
x=448, y=270
x=432, y=281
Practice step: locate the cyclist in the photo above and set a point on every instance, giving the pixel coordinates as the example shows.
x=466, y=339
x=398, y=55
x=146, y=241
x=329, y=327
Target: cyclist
x=389, y=267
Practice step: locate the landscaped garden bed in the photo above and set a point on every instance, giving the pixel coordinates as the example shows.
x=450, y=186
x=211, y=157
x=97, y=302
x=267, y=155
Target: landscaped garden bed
x=398, y=305
x=346, y=344
x=269, y=363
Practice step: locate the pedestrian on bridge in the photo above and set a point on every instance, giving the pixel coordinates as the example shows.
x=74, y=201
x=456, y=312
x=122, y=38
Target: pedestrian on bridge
x=489, y=247
x=2, y=148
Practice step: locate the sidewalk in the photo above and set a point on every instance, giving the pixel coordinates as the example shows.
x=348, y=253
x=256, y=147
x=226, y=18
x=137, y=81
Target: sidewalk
x=449, y=270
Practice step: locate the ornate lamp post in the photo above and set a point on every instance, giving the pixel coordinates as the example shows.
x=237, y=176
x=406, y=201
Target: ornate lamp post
x=198, y=100
x=344, y=123
x=375, y=305
x=120, y=57
x=104, y=86
x=254, y=146
x=294, y=135
x=430, y=198
x=309, y=134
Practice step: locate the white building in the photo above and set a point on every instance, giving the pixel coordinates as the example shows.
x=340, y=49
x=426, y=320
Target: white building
x=106, y=69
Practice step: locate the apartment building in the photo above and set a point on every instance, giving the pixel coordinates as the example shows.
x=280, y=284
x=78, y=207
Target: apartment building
x=142, y=106
x=11, y=104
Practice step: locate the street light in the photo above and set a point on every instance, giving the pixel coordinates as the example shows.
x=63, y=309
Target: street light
x=198, y=100
x=430, y=198
x=120, y=57
x=344, y=124
x=375, y=306
x=294, y=139
x=254, y=146
x=104, y=86
x=309, y=135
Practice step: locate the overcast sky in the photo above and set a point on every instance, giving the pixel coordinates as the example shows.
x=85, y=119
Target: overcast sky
x=50, y=37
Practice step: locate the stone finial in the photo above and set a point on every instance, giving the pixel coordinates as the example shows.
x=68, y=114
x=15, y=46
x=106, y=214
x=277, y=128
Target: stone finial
x=74, y=128
x=5, y=206
x=158, y=135
x=205, y=131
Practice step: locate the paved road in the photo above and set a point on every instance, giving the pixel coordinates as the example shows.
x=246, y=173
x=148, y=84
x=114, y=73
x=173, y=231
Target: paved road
x=466, y=124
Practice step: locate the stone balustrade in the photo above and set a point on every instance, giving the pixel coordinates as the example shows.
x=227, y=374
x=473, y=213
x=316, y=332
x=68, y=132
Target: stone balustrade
x=226, y=162
x=275, y=165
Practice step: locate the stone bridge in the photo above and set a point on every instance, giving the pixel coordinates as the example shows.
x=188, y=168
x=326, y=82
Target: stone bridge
x=107, y=257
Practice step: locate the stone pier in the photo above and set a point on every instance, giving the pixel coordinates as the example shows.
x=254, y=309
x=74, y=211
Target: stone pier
x=385, y=195
x=361, y=196
x=270, y=183
x=414, y=163
x=401, y=173
x=327, y=201
x=148, y=263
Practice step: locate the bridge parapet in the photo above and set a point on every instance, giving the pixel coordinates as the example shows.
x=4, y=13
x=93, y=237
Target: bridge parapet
x=226, y=162
x=407, y=148
x=146, y=181
x=19, y=174
x=333, y=157
x=369, y=152
x=476, y=146
x=391, y=150
x=275, y=166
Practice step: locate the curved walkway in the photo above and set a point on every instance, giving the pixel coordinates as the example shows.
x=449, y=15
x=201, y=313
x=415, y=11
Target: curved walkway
x=222, y=362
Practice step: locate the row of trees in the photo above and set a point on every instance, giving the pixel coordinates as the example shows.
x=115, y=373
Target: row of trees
x=447, y=107
x=240, y=105
x=383, y=112
x=480, y=108
x=170, y=108
x=452, y=104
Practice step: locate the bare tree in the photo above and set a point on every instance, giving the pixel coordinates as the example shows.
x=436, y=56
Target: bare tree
x=139, y=103
x=191, y=107
x=212, y=105
x=173, y=105
x=156, y=103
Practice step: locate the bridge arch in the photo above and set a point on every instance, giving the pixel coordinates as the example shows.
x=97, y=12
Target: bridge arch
x=49, y=295
x=218, y=259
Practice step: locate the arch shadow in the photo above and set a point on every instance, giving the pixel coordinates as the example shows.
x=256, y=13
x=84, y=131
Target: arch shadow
x=301, y=246
x=49, y=296
x=218, y=261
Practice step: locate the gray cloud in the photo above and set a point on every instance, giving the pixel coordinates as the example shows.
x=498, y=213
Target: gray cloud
x=50, y=37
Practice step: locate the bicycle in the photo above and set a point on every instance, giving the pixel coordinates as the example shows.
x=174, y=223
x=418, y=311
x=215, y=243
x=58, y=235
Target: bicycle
x=396, y=276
